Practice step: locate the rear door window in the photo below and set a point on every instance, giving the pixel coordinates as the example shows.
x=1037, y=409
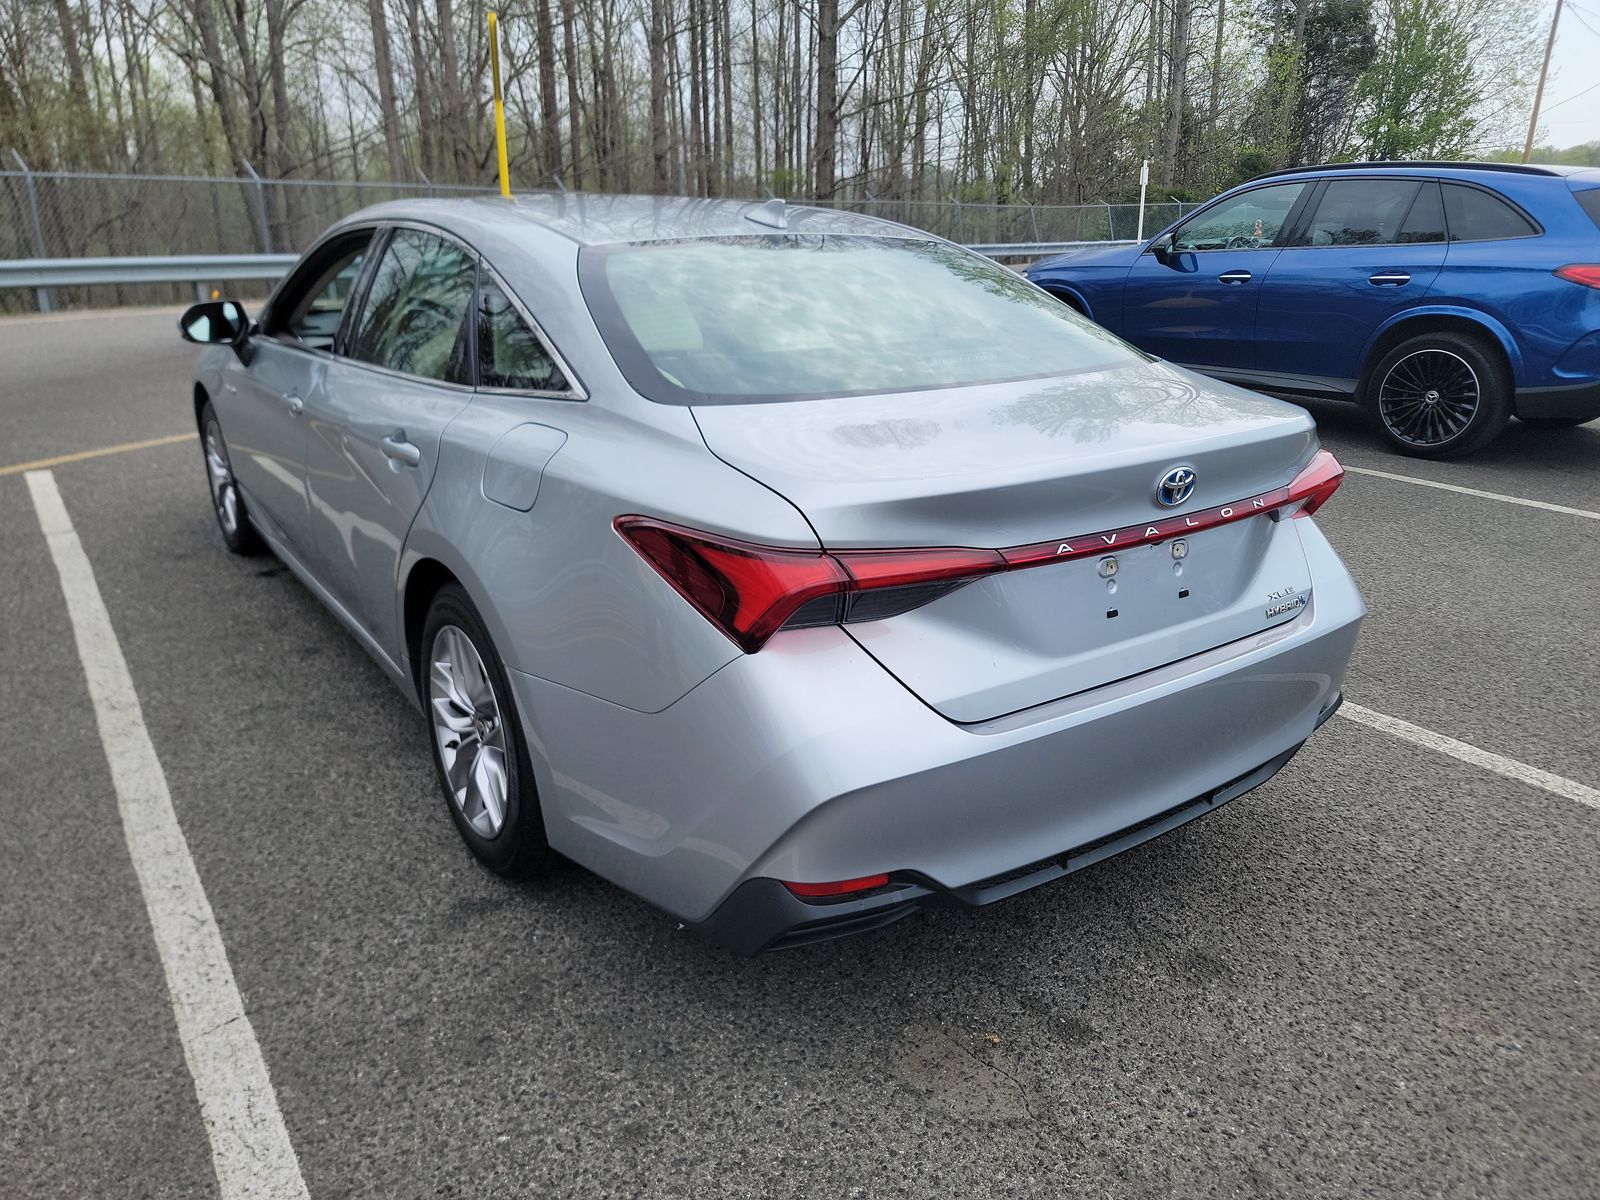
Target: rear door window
x=1361, y=212
x=1476, y=215
x=415, y=317
x=1425, y=221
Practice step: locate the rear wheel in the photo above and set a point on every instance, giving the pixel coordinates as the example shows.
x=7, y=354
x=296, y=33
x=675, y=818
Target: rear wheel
x=478, y=749
x=1438, y=395
x=232, y=517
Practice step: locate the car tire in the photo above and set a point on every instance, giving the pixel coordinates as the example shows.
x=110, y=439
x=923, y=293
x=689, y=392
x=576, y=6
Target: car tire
x=467, y=700
x=227, y=505
x=1555, y=422
x=1438, y=395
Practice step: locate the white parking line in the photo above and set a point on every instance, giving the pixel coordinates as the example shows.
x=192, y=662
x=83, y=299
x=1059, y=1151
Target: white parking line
x=1466, y=491
x=250, y=1148
x=1500, y=765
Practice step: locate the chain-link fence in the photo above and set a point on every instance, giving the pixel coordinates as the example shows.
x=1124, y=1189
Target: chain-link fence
x=79, y=215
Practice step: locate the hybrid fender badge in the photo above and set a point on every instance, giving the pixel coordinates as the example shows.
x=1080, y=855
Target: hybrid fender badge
x=1176, y=486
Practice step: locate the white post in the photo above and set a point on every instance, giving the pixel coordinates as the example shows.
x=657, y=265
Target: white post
x=1144, y=182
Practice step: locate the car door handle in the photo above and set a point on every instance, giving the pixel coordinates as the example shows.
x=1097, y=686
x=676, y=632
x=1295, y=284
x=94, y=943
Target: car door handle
x=294, y=404
x=1389, y=278
x=396, y=447
x=1234, y=277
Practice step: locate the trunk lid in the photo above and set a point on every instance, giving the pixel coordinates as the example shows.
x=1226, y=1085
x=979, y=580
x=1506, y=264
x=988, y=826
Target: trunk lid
x=1013, y=464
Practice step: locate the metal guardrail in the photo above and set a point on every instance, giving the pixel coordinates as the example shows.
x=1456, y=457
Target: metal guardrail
x=42, y=274
x=1040, y=249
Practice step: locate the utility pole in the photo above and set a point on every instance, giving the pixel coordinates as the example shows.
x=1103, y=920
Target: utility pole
x=1538, y=96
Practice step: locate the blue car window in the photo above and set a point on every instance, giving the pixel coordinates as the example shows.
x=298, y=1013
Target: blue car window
x=1361, y=212
x=1425, y=221
x=1249, y=221
x=1590, y=202
x=1479, y=216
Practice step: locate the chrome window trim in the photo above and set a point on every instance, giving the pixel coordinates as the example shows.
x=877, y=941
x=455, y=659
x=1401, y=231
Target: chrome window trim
x=574, y=390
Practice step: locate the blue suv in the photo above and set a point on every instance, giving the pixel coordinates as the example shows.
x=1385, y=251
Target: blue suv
x=1445, y=298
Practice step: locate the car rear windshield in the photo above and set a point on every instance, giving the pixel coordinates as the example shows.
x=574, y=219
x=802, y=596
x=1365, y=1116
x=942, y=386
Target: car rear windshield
x=800, y=316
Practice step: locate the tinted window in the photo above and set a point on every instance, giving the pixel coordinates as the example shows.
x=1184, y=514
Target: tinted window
x=790, y=316
x=312, y=302
x=1477, y=216
x=1361, y=212
x=415, y=316
x=1590, y=202
x=1251, y=220
x=1425, y=221
x=510, y=355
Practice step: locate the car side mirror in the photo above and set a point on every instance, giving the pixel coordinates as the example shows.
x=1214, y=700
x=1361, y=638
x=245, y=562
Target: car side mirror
x=217, y=323
x=1162, y=249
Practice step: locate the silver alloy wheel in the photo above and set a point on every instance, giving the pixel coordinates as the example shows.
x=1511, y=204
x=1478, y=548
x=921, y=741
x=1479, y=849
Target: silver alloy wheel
x=468, y=728
x=1429, y=397
x=224, y=496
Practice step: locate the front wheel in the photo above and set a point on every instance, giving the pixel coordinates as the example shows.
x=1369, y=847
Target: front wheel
x=478, y=748
x=226, y=503
x=1438, y=395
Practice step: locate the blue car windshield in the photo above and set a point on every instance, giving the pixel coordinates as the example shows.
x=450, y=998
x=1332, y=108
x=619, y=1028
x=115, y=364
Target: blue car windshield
x=798, y=316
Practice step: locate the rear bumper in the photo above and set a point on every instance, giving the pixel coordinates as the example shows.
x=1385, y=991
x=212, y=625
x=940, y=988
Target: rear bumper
x=1567, y=401
x=810, y=762
x=762, y=914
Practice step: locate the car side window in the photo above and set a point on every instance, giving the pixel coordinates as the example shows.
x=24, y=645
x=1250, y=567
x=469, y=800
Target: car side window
x=415, y=316
x=311, y=306
x=1361, y=212
x=1250, y=221
x=1425, y=221
x=1479, y=216
x=510, y=355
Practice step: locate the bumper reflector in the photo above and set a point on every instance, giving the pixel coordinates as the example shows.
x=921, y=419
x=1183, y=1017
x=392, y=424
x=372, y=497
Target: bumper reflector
x=840, y=887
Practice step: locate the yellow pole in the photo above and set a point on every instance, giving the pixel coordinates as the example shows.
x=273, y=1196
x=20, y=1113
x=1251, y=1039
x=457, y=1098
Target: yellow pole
x=499, y=106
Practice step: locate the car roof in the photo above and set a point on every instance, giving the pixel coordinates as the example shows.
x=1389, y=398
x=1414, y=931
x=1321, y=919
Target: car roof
x=590, y=218
x=1433, y=167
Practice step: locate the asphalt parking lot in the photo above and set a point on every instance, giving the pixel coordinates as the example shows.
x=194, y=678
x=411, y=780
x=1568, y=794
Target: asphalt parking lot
x=1377, y=975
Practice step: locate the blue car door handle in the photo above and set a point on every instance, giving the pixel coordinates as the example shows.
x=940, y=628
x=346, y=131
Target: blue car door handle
x=1234, y=277
x=1389, y=278
x=396, y=447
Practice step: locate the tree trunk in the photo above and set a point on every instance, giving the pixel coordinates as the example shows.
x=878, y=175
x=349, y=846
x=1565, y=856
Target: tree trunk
x=388, y=111
x=660, y=138
x=827, y=97
x=549, y=106
x=574, y=95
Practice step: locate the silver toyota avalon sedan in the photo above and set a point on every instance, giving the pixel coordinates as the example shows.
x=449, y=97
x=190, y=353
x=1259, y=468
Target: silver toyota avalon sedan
x=791, y=569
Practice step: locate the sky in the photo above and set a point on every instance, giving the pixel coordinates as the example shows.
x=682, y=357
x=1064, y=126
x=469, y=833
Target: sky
x=1571, y=112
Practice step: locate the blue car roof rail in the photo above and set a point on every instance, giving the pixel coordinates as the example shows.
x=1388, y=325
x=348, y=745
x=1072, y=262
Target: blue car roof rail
x=1509, y=168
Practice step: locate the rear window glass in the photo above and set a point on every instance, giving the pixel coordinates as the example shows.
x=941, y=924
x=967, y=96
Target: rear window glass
x=1361, y=212
x=1477, y=216
x=1425, y=221
x=1590, y=202
x=791, y=316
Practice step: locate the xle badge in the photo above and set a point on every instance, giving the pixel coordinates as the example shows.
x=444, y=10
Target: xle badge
x=1284, y=600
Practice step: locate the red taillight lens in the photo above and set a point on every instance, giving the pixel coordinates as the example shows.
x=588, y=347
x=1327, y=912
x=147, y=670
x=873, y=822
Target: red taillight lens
x=745, y=590
x=842, y=887
x=1588, y=274
x=1315, y=485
